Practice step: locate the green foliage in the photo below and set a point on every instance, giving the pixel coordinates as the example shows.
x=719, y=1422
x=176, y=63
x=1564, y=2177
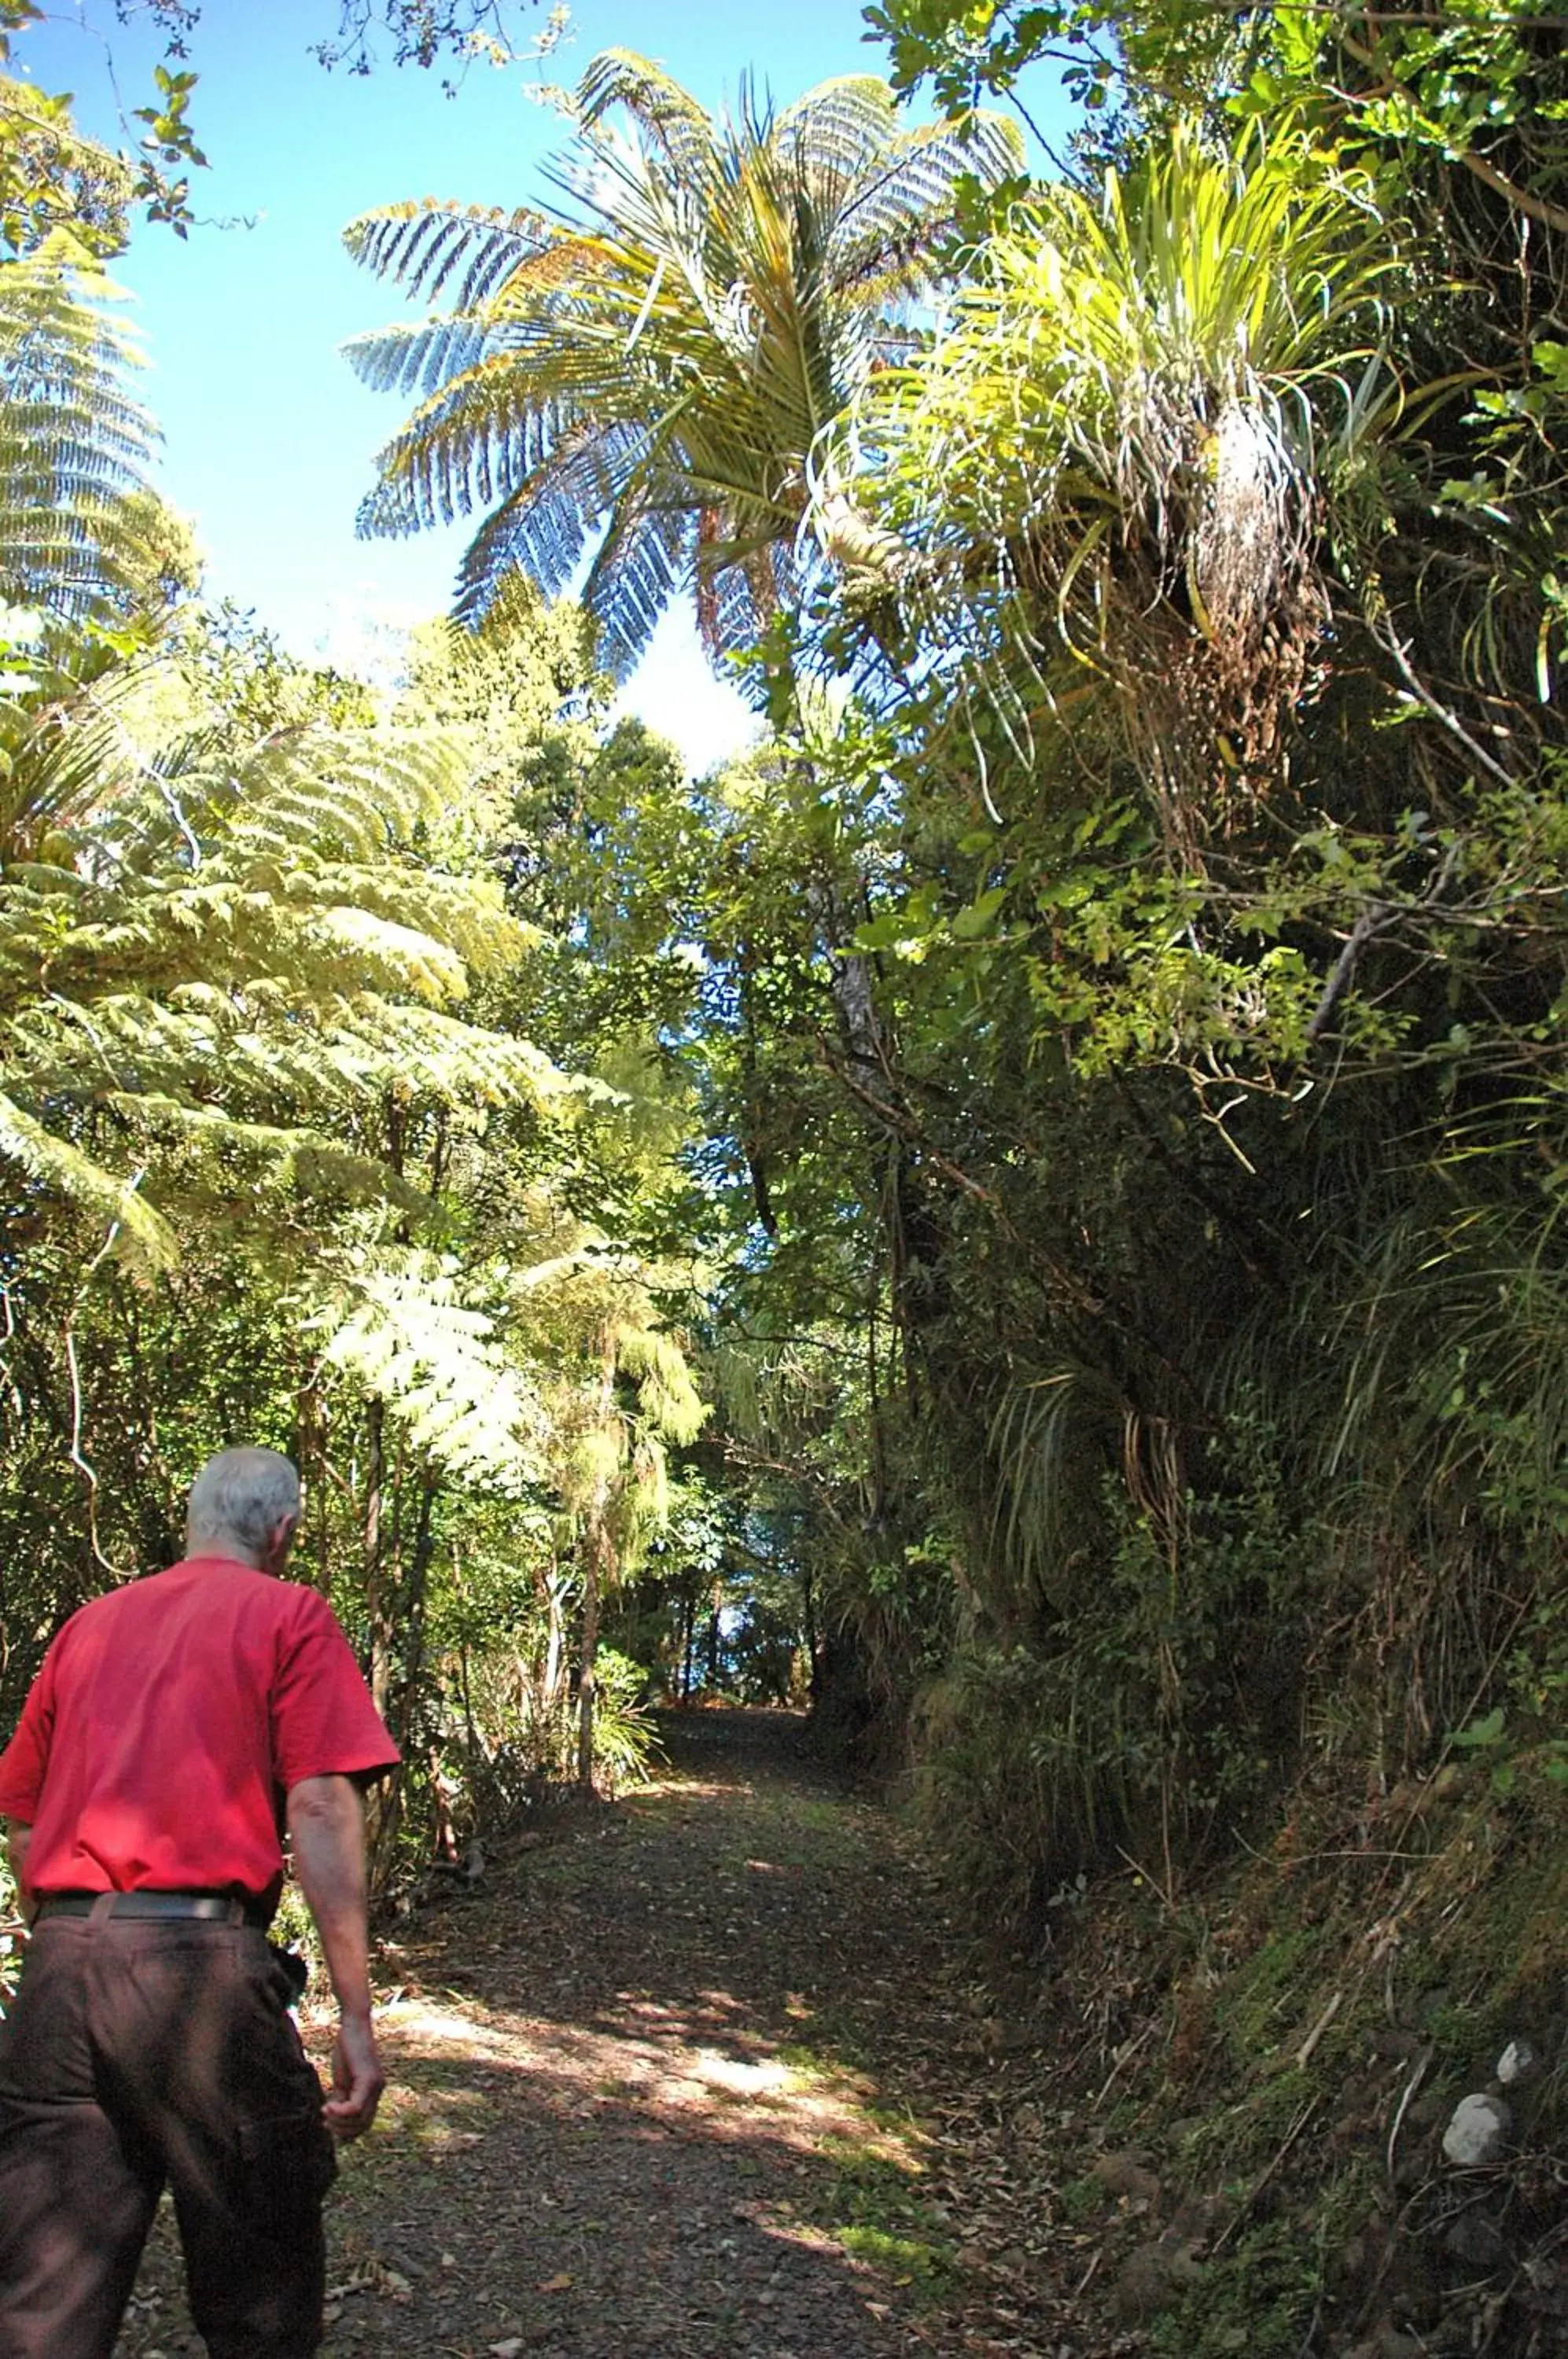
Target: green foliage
x=408, y=1337
x=79, y=528
x=625, y=1742
x=877, y=2213
x=52, y=179
x=1036, y=1194
x=239, y=937
x=285, y=1163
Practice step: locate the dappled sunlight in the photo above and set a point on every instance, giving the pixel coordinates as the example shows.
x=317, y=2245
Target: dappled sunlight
x=664, y=2066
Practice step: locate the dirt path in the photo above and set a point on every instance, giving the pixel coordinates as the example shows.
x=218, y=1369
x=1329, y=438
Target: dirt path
x=696, y=2075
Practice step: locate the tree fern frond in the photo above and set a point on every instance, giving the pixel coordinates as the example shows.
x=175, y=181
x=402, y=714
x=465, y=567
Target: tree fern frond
x=644, y=556
x=406, y=1336
x=656, y=103
x=423, y=244
x=545, y=524
x=472, y=441
x=347, y=793
x=718, y=294
x=417, y=356
x=223, y=1154
x=250, y=937
x=906, y=204
x=73, y=445
x=452, y=1060
x=831, y=134
x=464, y=914
x=65, y=1171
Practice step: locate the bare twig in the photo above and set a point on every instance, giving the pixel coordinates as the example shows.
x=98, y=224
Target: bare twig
x=1439, y=711
x=1123, y=2060
x=1083, y=2281
x=1374, y=920
x=1304, y=2052
x=1412, y=2085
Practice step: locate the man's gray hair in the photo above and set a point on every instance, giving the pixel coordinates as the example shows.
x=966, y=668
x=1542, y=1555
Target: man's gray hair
x=241, y=1495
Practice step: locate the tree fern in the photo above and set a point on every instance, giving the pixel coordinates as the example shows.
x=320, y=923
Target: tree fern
x=403, y=1331
x=235, y=946
x=651, y=365
x=74, y=503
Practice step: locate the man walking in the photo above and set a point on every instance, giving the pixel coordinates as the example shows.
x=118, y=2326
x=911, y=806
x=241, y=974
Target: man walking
x=176, y=1725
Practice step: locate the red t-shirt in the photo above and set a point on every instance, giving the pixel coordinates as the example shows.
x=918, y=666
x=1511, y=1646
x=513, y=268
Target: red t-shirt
x=168, y=1723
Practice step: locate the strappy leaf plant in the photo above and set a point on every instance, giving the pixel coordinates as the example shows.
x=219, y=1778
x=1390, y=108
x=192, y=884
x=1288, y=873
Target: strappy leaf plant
x=1106, y=474
x=638, y=373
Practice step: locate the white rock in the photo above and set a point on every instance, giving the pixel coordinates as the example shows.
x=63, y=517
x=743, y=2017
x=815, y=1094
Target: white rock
x=1478, y=2131
x=1518, y=2064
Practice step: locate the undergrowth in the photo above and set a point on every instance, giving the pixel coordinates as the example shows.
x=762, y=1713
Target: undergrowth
x=1286, y=2047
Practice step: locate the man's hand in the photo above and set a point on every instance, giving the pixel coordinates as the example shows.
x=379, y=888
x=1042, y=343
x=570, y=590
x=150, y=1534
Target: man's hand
x=357, y=2079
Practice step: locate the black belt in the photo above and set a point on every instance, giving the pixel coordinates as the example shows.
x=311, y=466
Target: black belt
x=205, y=1907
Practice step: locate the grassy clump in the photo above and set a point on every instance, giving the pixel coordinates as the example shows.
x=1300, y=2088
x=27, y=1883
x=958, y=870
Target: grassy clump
x=1257, y=2299
x=871, y=2208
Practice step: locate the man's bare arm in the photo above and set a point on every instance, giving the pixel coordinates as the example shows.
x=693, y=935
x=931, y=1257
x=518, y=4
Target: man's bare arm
x=18, y=1837
x=326, y=1829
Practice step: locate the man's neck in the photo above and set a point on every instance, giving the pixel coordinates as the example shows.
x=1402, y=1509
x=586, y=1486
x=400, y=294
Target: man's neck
x=219, y=1544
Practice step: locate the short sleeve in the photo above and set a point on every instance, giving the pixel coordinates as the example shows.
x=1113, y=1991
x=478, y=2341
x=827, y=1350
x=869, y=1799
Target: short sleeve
x=323, y=1721
x=26, y=1758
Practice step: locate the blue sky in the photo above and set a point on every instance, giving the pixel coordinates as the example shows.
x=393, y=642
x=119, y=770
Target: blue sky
x=269, y=438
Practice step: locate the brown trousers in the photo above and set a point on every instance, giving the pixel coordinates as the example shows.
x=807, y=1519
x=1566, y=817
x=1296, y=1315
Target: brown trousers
x=142, y=2053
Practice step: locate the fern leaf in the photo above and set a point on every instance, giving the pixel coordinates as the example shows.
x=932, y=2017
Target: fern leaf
x=73, y=445
x=545, y=525
x=907, y=203
x=408, y=1339
x=656, y=103
x=644, y=556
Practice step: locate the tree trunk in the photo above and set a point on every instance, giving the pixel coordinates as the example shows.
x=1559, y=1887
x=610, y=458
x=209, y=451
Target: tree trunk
x=550, y=1588
x=713, y=1636
x=689, y=1645
x=598, y=1565
x=808, y=1616
x=586, y=1684
x=378, y=1604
